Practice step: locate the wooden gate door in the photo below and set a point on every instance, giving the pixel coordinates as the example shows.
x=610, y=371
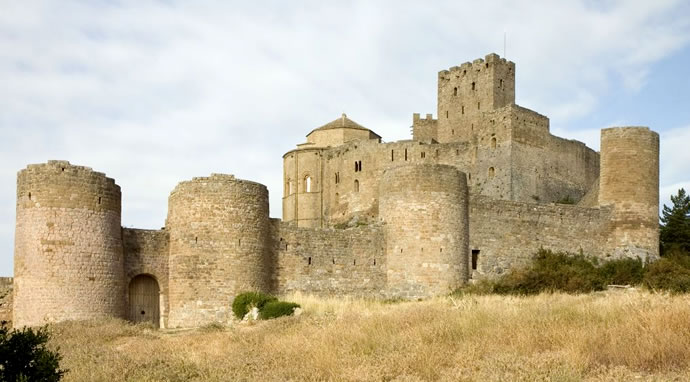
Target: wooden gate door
x=144, y=300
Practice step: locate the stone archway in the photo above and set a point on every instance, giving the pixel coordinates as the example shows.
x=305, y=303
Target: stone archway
x=144, y=300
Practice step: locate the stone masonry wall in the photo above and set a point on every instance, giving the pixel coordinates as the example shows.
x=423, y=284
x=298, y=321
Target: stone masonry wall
x=329, y=261
x=507, y=233
x=630, y=183
x=424, y=211
x=68, y=250
x=219, y=246
x=6, y=299
x=146, y=252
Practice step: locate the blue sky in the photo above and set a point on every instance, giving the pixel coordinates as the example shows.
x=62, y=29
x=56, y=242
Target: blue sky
x=153, y=93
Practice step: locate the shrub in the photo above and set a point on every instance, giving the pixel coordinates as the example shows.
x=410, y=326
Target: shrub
x=552, y=271
x=623, y=272
x=274, y=309
x=24, y=356
x=245, y=301
x=669, y=273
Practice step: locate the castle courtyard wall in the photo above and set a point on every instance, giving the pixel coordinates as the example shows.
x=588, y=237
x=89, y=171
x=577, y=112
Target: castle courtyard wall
x=329, y=261
x=507, y=234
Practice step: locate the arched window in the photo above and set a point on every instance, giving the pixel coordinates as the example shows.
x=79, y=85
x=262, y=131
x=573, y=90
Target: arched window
x=493, y=142
x=288, y=187
x=356, y=185
x=455, y=91
x=492, y=172
x=307, y=183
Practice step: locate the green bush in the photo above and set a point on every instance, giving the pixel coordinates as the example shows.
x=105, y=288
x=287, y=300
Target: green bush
x=623, y=272
x=24, y=356
x=669, y=273
x=552, y=271
x=274, y=309
x=244, y=302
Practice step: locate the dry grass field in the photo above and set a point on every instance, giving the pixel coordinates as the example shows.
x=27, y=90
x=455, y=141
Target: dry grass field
x=607, y=336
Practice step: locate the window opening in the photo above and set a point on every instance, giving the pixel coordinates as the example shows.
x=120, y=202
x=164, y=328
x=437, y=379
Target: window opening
x=405, y=154
x=374, y=261
x=99, y=200
x=309, y=260
x=455, y=91
x=478, y=105
x=493, y=142
x=462, y=109
x=307, y=183
x=356, y=185
x=354, y=262
x=452, y=132
x=475, y=257
x=500, y=84
x=473, y=87
x=446, y=114
x=491, y=172
x=392, y=157
x=423, y=154
x=29, y=196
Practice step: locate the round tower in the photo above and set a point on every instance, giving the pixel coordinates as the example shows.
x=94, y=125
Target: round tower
x=219, y=247
x=68, y=262
x=629, y=182
x=425, y=211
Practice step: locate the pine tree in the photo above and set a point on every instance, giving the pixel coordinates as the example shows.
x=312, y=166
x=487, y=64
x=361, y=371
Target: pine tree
x=675, y=224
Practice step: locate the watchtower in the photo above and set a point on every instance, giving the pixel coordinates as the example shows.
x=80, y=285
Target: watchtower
x=468, y=90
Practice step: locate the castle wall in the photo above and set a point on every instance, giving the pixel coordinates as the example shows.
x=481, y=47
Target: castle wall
x=630, y=183
x=508, y=233
x=544, y=167
x=146, y=253
x=424, y=211
x=329, y=261
x=219, y=247
x=6, y=294
x=424, y=129
x=68, y=249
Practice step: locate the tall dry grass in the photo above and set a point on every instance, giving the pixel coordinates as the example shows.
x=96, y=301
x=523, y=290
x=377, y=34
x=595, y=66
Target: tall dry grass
x=604, y=336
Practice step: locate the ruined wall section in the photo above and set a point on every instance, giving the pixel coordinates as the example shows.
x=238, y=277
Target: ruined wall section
x=146, y=252
x=506, y=234
x=468, y=90
x=220, y=245
x=302, y=194
x=329, y=261
x=424, y=211
x=6, y=294
x=68, y=262
x=630, y=184
x=546, y=168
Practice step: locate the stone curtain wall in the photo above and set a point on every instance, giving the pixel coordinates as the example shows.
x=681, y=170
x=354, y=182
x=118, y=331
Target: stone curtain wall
x=6, y=299
x=630, y=182
x=329, y=261
x=219, y=246
x=68, y=249
x=508, y=233
x=424, y=210
x=146, y=252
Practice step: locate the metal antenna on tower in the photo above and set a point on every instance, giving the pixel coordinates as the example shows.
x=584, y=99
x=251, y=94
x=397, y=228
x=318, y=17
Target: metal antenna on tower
x=504, y=44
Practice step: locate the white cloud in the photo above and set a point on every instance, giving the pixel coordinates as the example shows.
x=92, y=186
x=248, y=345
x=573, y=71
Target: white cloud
x=153, y=93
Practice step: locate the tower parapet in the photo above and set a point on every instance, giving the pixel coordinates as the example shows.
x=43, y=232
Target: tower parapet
x=629, y=182
x=68, y=246
x=219, y=247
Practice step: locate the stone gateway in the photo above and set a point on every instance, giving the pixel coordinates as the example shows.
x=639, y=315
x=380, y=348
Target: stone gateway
x=475, y=192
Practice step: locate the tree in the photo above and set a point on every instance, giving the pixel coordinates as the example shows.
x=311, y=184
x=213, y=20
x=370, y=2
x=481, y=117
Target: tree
x=24, y=356
x=675, y=224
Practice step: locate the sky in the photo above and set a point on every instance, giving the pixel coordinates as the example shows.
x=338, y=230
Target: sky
x=156, y=92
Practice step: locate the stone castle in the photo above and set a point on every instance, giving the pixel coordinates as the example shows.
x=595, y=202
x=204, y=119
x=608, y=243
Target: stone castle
x=475, y=192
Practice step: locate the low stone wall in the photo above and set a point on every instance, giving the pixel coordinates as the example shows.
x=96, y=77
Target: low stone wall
x=329, y=261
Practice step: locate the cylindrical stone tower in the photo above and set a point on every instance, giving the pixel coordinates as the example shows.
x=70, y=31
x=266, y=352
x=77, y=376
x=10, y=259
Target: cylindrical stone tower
x=425, y=211
x=68, y=261
x=219, y=247
x=629, y=182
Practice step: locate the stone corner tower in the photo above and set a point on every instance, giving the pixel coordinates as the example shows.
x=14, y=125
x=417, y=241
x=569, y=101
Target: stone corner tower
x=68, y=261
